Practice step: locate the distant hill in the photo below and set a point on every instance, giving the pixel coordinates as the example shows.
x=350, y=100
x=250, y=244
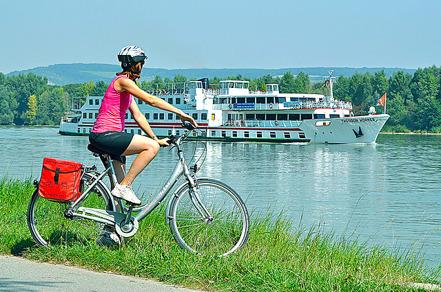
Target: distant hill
x=62, y=74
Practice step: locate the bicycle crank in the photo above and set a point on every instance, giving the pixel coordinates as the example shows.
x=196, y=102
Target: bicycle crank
x=124, y=229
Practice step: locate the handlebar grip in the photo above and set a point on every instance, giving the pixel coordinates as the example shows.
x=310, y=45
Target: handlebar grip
x=172, y=139
x=188, y=125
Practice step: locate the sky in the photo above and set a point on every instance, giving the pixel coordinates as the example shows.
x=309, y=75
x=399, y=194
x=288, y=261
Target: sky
x=223, y=34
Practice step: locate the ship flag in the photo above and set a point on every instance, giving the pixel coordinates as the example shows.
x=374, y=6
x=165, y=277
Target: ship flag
x=382, y=101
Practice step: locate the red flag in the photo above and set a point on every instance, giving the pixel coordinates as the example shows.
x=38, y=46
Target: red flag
x=382, y=100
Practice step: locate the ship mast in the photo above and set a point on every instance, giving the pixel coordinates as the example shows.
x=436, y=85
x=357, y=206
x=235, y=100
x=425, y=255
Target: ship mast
x=330, y=84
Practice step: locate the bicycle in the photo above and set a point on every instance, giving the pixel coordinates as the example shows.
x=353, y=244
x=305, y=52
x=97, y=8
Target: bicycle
x=205, y=216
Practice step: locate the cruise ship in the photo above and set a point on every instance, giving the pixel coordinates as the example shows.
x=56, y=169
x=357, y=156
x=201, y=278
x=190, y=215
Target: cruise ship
x=234, y=113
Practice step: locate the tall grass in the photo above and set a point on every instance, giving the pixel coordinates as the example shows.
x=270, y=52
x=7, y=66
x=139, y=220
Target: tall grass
x=278, y=256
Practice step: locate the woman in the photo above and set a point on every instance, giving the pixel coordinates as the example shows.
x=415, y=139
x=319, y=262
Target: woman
x=108, y=131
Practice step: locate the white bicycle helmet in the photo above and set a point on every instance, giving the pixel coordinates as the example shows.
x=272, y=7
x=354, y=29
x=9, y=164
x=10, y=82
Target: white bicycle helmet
x=130, y=55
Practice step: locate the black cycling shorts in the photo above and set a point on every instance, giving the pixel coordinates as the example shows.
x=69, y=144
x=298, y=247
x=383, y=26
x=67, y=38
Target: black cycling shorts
x=114, y=143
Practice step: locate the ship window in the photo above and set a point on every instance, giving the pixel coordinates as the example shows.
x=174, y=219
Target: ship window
x=240, y=100
x=270, y=117
x=177, y=132
x=132, y=131
x=270, y=100
x=306, y=117
x=260, y=117
x=170, y=116
x=155, y=116
x=224, y=134
x=139, y=101
x=90, y=101
x=281, y=99
x=246, y=134
x=177, y=117
x=127, y=116
x=273, y=134
x=131, y=116
x=287, y=135
x=96, y=115
x=84, y=115
x=170, y=100
x=234, y=133
x=170, y=132
x=251, y=100
x=250, y=117
x=282, y=117
x=97, y=101
x=333, y=116
x=203, y=116
x=259, y=134
x=161, y=116
x=178, y=100
x=78, y=130
x=213, y=133
x=294, y=117
x=147, y=115
x=139, y=132
x=90, y=115
x=195, y=116
x=319, y=116
x=260, y=100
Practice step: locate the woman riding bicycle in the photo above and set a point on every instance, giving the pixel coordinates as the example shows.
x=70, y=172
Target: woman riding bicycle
x=108, y=130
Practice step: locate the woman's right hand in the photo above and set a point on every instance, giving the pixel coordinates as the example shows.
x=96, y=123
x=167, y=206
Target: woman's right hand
x=184, y=117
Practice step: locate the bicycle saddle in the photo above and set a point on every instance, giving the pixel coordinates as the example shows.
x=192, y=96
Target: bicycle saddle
x=95, y=150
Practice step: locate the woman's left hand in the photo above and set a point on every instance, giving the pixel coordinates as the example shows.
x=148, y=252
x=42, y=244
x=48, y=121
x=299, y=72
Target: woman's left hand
x=162, y=142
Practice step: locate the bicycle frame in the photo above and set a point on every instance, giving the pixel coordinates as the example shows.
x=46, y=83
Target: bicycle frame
x=181, y=169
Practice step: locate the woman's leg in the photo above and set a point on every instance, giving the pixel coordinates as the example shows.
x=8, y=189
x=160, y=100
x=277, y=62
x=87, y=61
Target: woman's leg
x=120, y=170
x=146, y=149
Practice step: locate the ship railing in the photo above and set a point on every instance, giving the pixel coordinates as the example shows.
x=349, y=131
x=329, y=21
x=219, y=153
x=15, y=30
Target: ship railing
x=261, y=124
x=290, y=105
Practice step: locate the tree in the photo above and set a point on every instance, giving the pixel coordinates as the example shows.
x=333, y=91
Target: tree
x=341, y=88
x=380, y=83
x=99, y=89
x=287, y=83
x=31, y=112
x=23, y=87
x=8, y=106
x=302, y=83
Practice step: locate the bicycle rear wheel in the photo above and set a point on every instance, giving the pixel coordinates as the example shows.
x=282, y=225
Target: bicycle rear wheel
x=223, y=233
x=50, y=227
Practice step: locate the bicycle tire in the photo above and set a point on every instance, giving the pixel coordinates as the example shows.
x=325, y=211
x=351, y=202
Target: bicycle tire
x=231, y=236
x=49, y=226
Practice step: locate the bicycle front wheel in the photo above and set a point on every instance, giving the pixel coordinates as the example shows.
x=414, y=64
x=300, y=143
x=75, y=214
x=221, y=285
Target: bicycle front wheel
x=222, y=232
x=50, y=227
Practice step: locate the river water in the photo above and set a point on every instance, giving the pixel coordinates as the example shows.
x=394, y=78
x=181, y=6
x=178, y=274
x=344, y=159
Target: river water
x=386, y=194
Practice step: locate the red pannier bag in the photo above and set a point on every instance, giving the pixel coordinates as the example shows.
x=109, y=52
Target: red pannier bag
x=60, y=180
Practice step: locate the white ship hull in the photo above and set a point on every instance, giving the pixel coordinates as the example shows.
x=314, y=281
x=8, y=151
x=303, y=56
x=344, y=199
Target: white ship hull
x=361, y=129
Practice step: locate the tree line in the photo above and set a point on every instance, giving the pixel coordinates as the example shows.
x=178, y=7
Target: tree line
x=413, y=101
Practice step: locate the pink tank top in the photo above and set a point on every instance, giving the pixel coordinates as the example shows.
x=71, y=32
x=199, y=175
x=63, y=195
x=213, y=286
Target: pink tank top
x=112, y=113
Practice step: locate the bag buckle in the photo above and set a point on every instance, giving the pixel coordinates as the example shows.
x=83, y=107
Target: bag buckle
x=57, y=175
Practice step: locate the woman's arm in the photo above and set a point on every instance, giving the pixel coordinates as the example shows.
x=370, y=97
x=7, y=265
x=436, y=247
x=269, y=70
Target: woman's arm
x=125, y=84
x=141, y=120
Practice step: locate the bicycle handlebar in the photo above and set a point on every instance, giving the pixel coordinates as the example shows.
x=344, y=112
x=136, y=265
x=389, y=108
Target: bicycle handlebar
x=172, y=139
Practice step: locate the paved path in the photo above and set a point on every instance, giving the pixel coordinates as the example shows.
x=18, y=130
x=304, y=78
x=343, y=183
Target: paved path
x=18, y=274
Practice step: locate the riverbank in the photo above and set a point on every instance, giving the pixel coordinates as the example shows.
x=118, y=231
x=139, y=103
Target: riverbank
x=278, y=256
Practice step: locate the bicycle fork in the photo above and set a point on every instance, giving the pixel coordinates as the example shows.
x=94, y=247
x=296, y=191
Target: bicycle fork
x=196, y=200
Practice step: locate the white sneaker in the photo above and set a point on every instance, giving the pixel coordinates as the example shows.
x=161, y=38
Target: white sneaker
x=126, y=193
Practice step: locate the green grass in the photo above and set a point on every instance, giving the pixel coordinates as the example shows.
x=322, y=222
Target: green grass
x=277, y=256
